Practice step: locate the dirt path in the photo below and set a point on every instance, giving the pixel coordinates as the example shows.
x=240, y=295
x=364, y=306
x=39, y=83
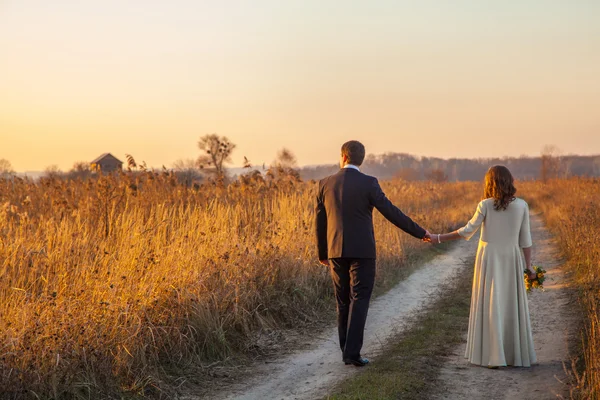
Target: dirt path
x=554, y=327
x=308, y=374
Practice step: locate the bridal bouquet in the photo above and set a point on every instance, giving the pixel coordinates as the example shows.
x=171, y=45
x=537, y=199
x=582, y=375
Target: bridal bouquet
x=538, y=282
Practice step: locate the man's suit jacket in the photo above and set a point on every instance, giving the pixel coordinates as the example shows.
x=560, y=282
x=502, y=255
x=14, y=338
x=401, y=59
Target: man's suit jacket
x=344, y=225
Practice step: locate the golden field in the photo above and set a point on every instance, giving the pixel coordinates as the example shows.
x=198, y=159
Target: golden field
x=124, y=284
x=571, y=210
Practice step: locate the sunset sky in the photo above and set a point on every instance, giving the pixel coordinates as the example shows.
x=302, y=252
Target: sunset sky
x=438, y=78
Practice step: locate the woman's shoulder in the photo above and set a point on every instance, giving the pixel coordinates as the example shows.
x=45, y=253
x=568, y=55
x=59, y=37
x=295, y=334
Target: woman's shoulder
x=486, y=202
x=520, y=202
x=516, y=203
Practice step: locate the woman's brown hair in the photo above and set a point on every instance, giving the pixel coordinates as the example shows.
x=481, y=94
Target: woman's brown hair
x=499, y=185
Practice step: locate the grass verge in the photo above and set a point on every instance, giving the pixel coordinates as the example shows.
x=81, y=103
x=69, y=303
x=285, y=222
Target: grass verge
x=409, y=366
x=570, y=209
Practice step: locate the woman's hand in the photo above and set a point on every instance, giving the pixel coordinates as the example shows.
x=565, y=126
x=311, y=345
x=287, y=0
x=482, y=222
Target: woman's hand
x=427, y=237
x=435, y=238
x=532, y=274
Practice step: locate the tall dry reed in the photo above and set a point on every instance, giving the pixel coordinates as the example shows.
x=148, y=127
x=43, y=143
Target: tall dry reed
x=120, y=284
x=571, y=209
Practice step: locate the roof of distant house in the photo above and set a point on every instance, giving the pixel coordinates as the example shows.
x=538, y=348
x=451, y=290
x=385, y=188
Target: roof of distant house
x=103, y=156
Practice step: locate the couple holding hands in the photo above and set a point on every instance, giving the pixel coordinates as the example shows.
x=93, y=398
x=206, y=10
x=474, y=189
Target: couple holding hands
x=499, y=325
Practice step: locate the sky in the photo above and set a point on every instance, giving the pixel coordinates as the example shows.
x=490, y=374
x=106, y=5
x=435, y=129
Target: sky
x=433, y=78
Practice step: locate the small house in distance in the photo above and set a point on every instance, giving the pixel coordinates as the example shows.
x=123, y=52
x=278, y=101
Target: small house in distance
x=106, y=163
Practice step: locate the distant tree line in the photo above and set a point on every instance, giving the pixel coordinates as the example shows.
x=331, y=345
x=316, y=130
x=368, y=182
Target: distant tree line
x=413, y=168
x=216, y=151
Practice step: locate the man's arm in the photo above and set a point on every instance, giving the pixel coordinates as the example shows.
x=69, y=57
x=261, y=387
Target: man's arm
x=321, y=227
x=393, y=213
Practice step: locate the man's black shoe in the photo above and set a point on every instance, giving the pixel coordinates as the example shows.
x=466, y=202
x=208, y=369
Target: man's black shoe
x=359, y=362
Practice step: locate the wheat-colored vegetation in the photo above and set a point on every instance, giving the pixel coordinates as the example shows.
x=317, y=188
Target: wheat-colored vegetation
x=571, y=210
x=123, y=284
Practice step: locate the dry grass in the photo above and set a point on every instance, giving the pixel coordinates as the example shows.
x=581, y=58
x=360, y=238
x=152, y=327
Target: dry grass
x=571, y=210
x=118, y=285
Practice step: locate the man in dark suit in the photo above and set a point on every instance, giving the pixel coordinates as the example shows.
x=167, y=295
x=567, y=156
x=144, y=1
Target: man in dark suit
x=346, y=242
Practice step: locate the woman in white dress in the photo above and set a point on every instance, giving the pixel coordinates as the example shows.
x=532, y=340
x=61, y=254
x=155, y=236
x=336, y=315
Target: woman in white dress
x=499, y=324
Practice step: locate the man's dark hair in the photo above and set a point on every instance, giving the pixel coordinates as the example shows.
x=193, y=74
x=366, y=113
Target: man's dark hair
x=355, y=151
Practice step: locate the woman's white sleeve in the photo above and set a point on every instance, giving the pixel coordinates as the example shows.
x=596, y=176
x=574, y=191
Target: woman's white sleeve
x=473, y=225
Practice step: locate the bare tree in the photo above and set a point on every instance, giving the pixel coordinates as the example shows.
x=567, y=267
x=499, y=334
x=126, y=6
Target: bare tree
x=407, y=174
x=285, y=159
x=52, y=171
x=437, y=175
x=284, y=167
x=217, y=152
x=550, y=162
x=81, y=169
x=186, y=171
x=6, y=169
x=455, y=172
x=566, y=166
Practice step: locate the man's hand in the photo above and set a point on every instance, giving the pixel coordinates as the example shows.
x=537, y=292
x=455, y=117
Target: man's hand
x=427, y=237
x=324, y=262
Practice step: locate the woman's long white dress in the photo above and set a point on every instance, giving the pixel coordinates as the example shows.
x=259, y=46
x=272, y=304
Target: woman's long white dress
x=499, y=324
